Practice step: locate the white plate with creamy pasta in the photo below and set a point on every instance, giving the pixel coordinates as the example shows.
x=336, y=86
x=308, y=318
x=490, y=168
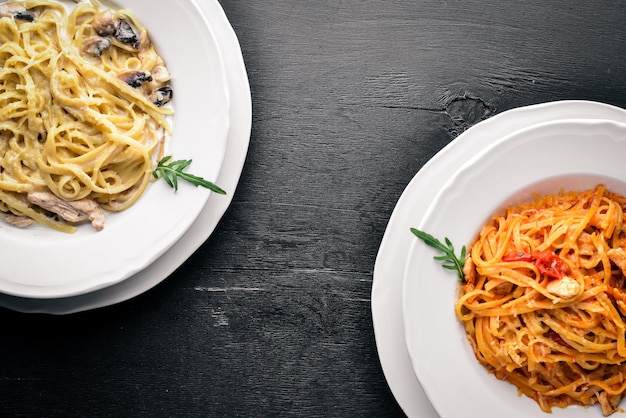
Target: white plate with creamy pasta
x=44, y=263
x=205, y=223
x=544, y=158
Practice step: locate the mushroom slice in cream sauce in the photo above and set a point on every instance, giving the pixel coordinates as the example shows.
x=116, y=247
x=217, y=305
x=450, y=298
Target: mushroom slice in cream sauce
x=16, y=11
x=123, y=30
x=161, y=96
x=127, y=33
x=96, y=45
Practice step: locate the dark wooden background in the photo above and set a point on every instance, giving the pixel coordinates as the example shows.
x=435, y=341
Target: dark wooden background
x=271, y=316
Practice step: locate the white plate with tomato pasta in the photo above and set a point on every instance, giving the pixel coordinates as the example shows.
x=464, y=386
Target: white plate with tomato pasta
x=411, y=207
x=114, y=114
x=530, y=319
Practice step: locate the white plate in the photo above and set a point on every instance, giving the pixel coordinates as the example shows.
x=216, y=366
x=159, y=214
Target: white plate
x=544, y=158
x=207, y=220
x=73, y=264
x=409, y=210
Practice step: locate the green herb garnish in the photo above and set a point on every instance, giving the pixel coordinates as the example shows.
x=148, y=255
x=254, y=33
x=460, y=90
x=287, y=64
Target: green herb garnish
x=450, y=260
x=176, y=169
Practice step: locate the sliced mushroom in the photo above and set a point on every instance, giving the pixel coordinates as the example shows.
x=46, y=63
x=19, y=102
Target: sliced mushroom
x=159, y=72
x=127, y=33
x=161, y=96
x=135, y=78
x=96, y=45
x=25, y=15
x=103, y=23
x=16, y=11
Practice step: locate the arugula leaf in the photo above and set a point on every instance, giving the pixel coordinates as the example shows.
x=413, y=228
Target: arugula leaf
x=449, y=259
x=171, y=172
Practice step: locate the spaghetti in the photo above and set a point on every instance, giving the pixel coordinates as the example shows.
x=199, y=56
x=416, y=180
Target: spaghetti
x=544, y=299
x=82, y=120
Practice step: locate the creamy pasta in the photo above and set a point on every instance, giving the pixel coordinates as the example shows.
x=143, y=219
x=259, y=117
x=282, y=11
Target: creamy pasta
x=82, y=115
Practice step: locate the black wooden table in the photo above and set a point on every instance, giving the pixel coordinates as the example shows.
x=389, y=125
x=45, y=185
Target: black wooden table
x=272, y=316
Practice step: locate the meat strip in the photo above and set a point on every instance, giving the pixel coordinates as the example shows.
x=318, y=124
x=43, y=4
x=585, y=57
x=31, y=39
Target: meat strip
x=72, y=211
x=16, y=220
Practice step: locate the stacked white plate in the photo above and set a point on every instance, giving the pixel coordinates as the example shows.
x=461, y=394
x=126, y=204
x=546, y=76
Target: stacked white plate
x=211, y=126
x=442, y=372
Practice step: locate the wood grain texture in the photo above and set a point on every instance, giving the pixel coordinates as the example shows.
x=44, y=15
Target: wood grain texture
x=271, y=316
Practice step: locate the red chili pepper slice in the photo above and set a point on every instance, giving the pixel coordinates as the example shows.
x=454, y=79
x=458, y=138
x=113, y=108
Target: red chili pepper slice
x=517, y=256
x=550, y=264
x=547, y=262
